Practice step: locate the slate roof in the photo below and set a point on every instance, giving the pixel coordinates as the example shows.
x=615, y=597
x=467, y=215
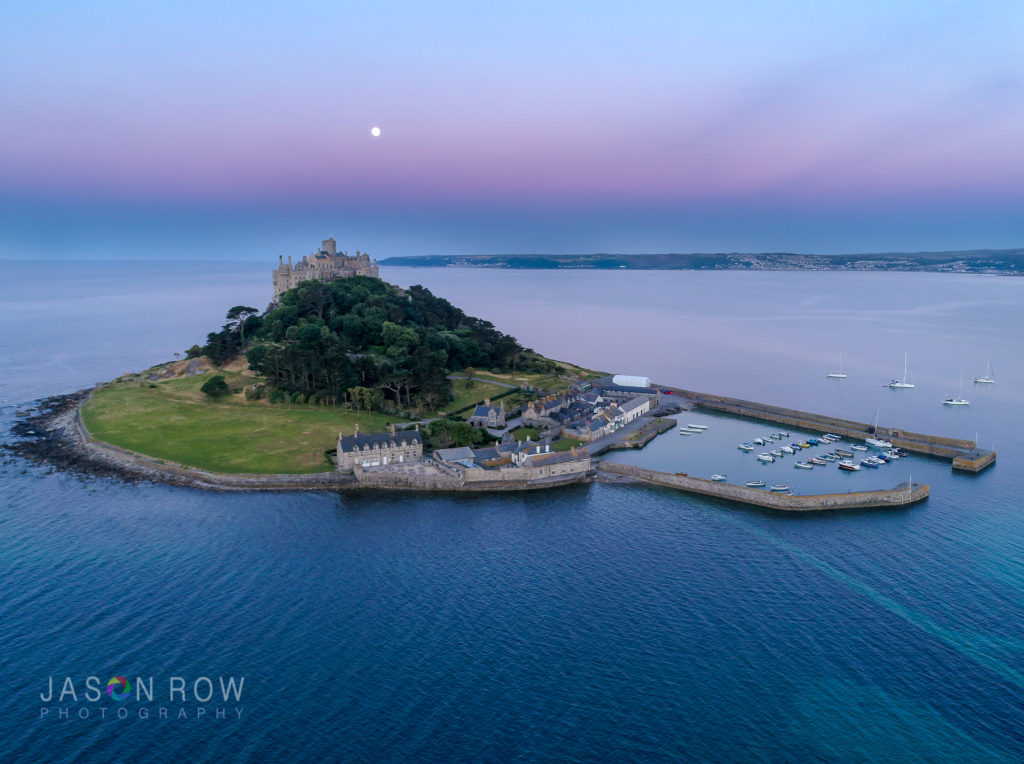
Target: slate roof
x=453, y=454
x=380, y=440
x=633, y=403
x=556, y=457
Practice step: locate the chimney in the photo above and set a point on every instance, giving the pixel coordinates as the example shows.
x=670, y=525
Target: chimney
x=280, y=259
x=487, y=401
x=289, y=261
x=527, y=438
x=417, y=427
x=547, y=448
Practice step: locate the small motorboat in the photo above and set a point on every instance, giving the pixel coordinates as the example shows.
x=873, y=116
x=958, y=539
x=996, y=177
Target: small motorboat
x=816, y=460
x=848, y=465
x=814, y=441
x=803, y=466
x=759, y=441
x=869, y=463
x=755, y=484
x=856, y=447
x=891, y=454
x=788, y=450
x=776, y=453
x=745, y=447
x=685, y=432
x=697, y=426
x=841, y=452
x=718, y=478
x=804, y=444
x=779, y=487
x=829, y=457
x=767, y=458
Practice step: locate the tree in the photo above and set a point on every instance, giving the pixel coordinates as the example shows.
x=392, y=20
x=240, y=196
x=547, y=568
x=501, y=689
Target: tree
x=470, y=373
x=238, y=315
x=215, y=386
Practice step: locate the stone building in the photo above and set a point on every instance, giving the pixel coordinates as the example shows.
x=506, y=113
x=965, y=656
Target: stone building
x=381, y=448
x=326, y=264
x=489, y=415
x=545, y=408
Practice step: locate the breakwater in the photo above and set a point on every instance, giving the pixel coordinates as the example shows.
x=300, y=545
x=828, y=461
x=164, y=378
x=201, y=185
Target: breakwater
x=900, y=496
x=964, y=454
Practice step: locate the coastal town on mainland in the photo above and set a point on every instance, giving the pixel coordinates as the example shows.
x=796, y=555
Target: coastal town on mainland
x=545, y=437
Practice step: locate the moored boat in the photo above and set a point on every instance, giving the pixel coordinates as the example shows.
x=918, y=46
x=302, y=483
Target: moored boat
x=869, y=463
x=901, y=383
x=755, y=484
x=718, y=478
x=989, y=377
x=803, y=466
x=779, y=487
x=816, y=460
x=844, y=452
x=776, y=453
x=767, y=458
x=848, y=465
x=788, y=450
x=697, y=426
x=857, y=447
x=759, y=441
x=745, y=447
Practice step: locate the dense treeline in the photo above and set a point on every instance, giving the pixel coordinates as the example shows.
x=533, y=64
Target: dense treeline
x=366, y=342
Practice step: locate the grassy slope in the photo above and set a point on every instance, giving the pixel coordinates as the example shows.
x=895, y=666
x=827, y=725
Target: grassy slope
x=174, y=421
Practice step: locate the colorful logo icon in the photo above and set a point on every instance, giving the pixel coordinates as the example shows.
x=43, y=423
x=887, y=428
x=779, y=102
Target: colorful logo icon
x=118, y=688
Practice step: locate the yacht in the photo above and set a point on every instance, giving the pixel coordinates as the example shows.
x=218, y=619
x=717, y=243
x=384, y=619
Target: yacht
x=989, y=377
x=875, y=442
x=839, y=374
x=901, y=383
x=959, y=400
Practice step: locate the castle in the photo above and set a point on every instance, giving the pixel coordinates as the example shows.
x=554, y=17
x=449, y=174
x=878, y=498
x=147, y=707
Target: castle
x=324, y=265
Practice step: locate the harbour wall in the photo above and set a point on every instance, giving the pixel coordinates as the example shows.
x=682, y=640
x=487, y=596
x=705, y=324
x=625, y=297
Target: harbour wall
x=901, y=496
x=953, y=449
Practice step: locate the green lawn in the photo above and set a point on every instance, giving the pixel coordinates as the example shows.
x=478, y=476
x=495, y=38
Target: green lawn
x=174, y=421
x=478, y=392
x=564, y=444
x=522, y=433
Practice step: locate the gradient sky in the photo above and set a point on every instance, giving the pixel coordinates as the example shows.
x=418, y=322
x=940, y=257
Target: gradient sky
x=515, y=127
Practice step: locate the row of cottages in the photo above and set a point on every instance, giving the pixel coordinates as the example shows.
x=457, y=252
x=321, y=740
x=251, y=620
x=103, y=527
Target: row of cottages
x=513, y=461
x=546, y=407
x=607, y=420
x=489, y=415
x=377, y=449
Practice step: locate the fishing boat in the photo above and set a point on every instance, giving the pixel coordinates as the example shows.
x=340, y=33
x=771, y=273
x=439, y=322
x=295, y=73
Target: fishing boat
x=779, y=487
x=848, y=465
x=844, y=452
x=776, y=453
x=745, y=447
x=838, y=374
x=901, y=383
x=788, y=450
x=989, y=377
x=697, y=426
x=803, y=466
x=718, y=478
x=817, y=460
x=755, y=484
x=767, y=458
x=959, y=400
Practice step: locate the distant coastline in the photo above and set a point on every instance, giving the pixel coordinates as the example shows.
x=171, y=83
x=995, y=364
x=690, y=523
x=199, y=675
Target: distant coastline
x=1005, y=262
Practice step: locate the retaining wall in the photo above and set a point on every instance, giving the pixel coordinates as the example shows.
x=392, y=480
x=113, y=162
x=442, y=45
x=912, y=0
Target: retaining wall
x=898, y=497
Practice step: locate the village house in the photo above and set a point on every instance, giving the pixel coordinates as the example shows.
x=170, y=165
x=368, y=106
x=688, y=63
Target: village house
x=489, y=415
x=378, y=449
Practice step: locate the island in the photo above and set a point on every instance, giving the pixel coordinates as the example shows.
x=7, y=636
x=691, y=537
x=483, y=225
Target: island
x=348, y=382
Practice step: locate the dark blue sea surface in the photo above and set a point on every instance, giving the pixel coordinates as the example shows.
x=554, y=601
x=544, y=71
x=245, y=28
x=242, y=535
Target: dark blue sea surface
x=591, y=623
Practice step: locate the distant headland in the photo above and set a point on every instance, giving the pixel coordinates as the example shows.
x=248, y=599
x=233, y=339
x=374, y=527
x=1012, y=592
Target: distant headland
x=991, y=261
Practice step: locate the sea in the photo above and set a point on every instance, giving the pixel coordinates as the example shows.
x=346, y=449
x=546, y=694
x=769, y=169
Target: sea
x=597, y=623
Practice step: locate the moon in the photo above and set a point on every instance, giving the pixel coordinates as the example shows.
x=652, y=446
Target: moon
x=375, y=131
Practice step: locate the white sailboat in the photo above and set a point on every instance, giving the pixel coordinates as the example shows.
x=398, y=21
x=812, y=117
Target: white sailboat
x=989, y=377
x=875, y=442
x=959, y=400
x=901, y=383
x=840, y=374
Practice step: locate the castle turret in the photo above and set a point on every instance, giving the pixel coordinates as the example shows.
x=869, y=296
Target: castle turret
x=330, y=246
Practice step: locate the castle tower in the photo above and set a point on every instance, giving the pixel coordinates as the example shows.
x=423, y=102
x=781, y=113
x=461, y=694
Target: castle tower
x=330, y=246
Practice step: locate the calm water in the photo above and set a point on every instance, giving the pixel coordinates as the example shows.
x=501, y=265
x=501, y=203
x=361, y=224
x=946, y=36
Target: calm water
x=599, y=623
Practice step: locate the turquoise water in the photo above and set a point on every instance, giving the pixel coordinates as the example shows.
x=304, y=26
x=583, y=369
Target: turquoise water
x=590, y=623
